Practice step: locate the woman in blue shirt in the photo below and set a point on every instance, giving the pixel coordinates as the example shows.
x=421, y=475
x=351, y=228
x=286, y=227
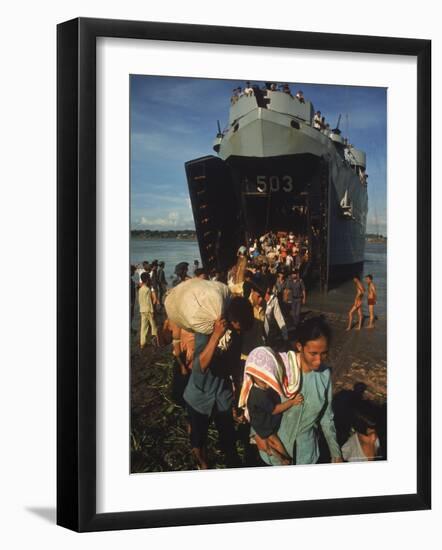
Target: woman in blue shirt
x=299, y=426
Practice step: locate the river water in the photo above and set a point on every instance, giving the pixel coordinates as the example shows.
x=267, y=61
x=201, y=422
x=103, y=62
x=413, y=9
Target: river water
x=337, y=300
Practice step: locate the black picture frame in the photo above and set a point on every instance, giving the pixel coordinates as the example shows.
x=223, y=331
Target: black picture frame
x=76, y=293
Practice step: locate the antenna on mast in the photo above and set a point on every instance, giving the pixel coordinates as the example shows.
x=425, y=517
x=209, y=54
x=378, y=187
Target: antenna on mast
x=337, y=130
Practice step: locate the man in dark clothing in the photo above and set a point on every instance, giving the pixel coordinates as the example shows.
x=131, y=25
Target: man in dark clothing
x=247, y=285
x=154, y=277
x=133, y=295
x=296, y=289
x=162, y=283
x=267, y=279
x=181, y=270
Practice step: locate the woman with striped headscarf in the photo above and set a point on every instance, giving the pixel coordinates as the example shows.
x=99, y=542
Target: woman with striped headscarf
x=301, y=371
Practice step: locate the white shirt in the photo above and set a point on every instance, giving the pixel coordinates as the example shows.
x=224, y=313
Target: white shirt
x=137, y=274
x=317, y=121
x=273, y=310
x=352, y=450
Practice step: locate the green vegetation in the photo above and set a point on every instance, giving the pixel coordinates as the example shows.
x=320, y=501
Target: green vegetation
x=159, y=439
x=375, y=237
x=184, y=234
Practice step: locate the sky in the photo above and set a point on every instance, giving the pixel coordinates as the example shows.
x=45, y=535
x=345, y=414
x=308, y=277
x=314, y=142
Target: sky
x=174, y=120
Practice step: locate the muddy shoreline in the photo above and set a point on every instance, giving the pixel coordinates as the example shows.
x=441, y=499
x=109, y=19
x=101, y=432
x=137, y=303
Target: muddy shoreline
x=159, y=438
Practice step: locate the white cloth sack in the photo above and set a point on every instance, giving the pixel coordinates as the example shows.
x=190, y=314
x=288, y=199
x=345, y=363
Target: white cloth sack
x=195, y=304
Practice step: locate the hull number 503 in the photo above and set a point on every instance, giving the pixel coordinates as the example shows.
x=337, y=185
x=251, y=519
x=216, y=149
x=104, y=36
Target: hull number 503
x=264, y=184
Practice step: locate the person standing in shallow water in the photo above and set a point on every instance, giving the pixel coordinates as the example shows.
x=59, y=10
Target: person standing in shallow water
x=357, y=304
x=371, y=299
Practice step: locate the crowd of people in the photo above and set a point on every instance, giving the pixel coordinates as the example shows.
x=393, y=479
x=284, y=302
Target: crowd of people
x=237, y=375
x=249, y=90
x=318, y=123
x=254, y=90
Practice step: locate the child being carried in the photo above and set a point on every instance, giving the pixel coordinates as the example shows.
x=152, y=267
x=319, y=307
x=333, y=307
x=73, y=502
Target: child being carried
x=265, y=381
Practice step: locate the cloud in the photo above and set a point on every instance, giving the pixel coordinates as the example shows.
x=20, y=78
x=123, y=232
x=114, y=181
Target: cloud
x=173, y=120
x=159, y=198
x=168, y=220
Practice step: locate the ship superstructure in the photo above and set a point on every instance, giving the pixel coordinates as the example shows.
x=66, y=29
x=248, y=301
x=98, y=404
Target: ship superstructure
x=279, y=169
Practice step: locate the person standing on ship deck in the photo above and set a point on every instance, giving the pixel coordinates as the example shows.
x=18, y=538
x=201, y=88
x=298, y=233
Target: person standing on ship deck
x=300, y=96
x=317, y=120
x=248, y=90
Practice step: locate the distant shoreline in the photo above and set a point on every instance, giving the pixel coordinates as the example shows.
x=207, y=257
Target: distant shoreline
x=190, y=235
x=373, y=238
x=148, y=234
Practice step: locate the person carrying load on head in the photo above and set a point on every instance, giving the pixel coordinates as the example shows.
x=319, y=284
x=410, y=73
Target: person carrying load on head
x=209, y=391
x=218, y=321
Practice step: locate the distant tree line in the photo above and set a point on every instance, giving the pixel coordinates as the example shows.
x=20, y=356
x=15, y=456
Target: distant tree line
x=375, y=236
x=167, y=234
x=191, y=234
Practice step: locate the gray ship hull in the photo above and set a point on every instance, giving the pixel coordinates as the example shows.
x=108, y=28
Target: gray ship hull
x=275, y=172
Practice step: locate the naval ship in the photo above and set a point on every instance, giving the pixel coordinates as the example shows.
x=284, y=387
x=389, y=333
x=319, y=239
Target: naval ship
x=278, y=170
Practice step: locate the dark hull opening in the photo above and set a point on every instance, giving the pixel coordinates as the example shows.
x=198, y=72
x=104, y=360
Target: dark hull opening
x=244, y=198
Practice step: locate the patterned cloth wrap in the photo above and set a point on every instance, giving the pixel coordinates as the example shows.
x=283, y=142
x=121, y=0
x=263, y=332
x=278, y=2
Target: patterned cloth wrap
x=279, y=370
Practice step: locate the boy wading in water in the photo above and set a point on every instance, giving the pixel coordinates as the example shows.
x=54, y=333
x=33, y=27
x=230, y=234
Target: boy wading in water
x=357, y=305
x=371, y=299
x=265, y=410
